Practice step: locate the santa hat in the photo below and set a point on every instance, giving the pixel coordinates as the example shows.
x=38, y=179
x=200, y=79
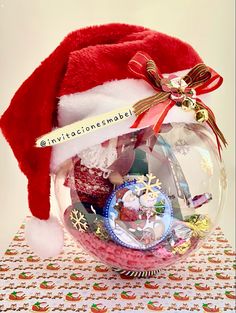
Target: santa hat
x=86, y=75
x=122, y=193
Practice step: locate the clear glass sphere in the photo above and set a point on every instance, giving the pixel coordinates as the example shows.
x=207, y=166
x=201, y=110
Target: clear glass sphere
x=140, y=201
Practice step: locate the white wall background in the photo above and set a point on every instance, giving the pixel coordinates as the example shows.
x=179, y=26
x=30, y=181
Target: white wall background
x=30, y=30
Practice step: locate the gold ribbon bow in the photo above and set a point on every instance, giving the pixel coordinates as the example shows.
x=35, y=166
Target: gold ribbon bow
x=174, y=90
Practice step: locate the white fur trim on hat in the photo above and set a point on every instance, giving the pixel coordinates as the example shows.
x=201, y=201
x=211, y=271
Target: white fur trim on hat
x=45, y=237
x=101, y=99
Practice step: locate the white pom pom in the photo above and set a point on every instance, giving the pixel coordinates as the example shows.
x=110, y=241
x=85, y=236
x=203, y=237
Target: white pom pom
x=45, y=237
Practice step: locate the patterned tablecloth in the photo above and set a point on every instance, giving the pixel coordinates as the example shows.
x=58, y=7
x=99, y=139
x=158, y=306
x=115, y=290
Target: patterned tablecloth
x=74, y=282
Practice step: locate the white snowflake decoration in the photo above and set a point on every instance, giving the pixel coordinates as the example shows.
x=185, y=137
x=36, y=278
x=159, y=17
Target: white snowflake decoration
x=207, y=166
x=148, y=186
x=78, y=220
x=181, y=147
x=223, y=178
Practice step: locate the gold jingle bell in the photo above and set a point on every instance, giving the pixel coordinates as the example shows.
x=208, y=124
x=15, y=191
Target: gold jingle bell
x=188, y=104
x=201, y=115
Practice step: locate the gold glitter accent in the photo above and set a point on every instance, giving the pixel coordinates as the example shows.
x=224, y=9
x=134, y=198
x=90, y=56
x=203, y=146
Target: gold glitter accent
x=182, y=248
x=100, y=231
x=200, y=225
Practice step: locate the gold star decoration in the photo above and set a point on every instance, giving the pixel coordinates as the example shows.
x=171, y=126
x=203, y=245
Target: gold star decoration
x=78, y=220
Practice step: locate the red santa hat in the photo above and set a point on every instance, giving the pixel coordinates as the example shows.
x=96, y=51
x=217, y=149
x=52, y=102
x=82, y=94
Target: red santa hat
x=86, y=75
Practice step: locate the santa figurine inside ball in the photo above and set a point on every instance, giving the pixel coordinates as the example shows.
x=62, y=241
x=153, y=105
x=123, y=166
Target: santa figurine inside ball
x=118, y=116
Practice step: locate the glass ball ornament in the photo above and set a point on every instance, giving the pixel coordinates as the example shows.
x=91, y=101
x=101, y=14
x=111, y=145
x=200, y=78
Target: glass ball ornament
x=140, y=202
